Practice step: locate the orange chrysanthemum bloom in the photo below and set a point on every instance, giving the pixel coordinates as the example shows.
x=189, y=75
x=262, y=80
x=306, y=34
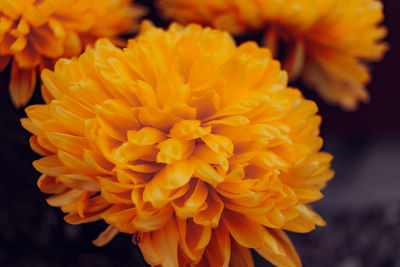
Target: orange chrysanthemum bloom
x=327, y=41
x=194, y=145
x=35, y=33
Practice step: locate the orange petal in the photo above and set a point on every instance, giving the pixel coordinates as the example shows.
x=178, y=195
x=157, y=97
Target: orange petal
x=230, y=121
x=157, y=118
x=80, y=182
x=219, y=249
x=69, y=143
x=306, y=195
x=206, y=154
x=205, y=172
x=173, y=150
x=69, y=119
x=220, y=144
x=18, y=45
x=106, y=236
x=30, y=126
x=74, y=163
x=166, y=240
x=116, y=198
x=22, y=84
x=176, y=175
x=154, y=221
x=74, y=218
x=4, y=60
x=212, y=214
x=45, y=43
x=28, y=58
x=38, y=114
x=306, y=222
x=289, y=258
x=50, y=185
x=72, y=43
x=115, y=117
x=293, y=64
x=146, y=136
x=121, y=216
x=240, y=256
x=190, y=236
x=250, y=234
x=188, y=130
x=149, y=249
x=66, y=198
x=187, y=205
x=50, y=165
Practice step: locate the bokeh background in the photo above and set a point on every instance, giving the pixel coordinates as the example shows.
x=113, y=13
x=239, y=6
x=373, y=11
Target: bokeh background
x=361, y=204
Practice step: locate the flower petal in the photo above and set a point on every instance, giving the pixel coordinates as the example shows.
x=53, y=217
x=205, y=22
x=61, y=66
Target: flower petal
x=166, y=239
x=288, y=258
x=106, y=236
x=22, y=84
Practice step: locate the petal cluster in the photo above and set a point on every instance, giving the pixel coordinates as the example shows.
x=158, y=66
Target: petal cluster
x=327, y=41
x=35, y=33
x=191, y=144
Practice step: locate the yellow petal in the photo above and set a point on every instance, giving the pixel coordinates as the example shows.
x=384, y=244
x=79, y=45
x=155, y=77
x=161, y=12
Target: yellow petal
x=187, y=205
x=146, y=136
x=205, y=172
x=173, y=150
x=156, y=118
x=175, y=175
x=212, y=214
x=188, y=130
x=220, y=144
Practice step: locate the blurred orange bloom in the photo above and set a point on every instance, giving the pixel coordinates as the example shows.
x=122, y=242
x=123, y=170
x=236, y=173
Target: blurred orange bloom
x=195, y=146
x=35, y=33
x=327, y=42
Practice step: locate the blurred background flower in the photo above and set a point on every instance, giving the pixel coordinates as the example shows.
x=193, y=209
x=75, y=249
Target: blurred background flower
x=35, y=33
x=326, y=42
x=361, y=206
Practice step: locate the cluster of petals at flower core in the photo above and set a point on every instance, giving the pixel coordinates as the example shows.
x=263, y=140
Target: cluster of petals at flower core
x=327, y=41
x=35, y=33
x=195, y=146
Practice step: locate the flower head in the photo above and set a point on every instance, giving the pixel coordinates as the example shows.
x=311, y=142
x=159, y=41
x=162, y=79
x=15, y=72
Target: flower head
x=195, y=146
x=328, y=41
x=35, y=33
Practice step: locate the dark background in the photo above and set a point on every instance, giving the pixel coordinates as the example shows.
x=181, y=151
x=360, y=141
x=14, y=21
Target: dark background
x=361, y=206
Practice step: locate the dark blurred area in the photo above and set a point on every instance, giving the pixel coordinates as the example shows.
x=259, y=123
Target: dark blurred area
x=361, y=207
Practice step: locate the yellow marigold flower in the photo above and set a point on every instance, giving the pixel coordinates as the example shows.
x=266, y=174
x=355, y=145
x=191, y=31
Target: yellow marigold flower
x=327, y=41
x=35, y=33
x=195, y=146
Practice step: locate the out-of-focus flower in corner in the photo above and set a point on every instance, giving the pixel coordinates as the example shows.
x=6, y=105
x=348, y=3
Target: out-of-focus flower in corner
x=327, y=42
x=191, y=144
x=35, y=33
